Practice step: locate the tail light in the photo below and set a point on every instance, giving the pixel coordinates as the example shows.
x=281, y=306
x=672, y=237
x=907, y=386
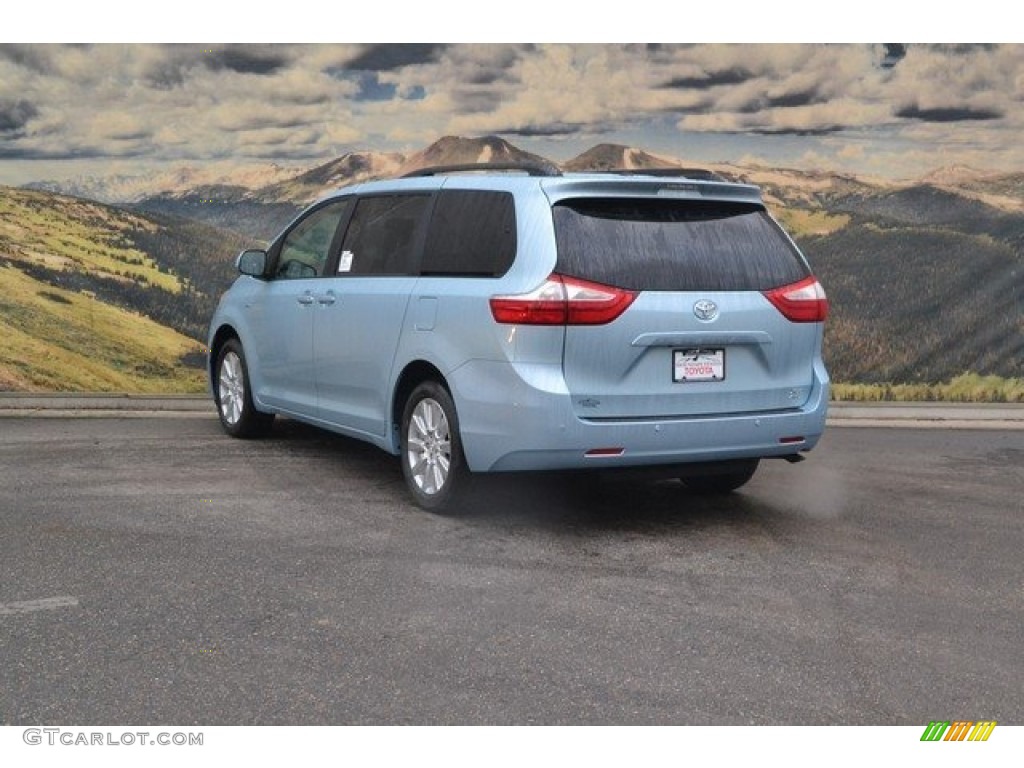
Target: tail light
x=563, y=301
x=802, y=302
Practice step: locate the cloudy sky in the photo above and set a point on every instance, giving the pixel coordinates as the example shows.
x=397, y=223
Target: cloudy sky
x=884, y=109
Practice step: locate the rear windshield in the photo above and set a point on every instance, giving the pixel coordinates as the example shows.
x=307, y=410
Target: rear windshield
x=674, y=245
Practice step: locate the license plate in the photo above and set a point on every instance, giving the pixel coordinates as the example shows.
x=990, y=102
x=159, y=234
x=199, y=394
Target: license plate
x=698, y=365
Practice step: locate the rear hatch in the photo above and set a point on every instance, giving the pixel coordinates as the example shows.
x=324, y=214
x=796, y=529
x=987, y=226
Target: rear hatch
x=705, y=332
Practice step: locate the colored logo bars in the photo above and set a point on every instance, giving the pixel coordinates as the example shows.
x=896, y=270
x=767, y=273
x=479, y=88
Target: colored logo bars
x=958, y=730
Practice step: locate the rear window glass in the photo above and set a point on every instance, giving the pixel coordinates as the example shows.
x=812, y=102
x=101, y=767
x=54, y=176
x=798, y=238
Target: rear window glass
x=471, y=233
x=674, y=245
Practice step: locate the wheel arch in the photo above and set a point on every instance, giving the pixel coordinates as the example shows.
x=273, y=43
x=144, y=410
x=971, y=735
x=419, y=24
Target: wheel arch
x=223, y=333
x=412, y=375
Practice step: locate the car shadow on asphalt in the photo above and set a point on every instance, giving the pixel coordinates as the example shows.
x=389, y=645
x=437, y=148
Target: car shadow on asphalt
x=583, y=502
x=570, y=502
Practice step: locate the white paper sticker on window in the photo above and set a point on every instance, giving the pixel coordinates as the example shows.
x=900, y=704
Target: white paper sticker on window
x=345, y=265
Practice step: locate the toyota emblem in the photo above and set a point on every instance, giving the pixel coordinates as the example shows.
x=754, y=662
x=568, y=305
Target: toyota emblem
x=705, y=310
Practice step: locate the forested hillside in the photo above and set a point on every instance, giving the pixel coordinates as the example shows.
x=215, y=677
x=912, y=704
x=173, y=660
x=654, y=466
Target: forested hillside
x=919, y=303
x=225, y=209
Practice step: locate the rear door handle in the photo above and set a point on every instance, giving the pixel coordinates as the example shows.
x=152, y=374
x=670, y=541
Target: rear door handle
x=327, y=299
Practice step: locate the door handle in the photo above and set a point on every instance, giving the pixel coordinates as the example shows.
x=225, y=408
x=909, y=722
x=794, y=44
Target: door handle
x=306, y=298
x=327, y=299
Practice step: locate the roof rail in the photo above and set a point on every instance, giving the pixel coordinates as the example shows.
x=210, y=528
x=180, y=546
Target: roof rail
x=531, y=169
x=697, y=174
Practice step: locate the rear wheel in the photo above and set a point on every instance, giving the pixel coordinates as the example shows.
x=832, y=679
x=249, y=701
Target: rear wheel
x=737, y=475
x=238, y=415
x=432, y=460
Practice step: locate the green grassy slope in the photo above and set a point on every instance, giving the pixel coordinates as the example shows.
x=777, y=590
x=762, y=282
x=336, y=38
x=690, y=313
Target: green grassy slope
x=65, y=233
x=94, y=298
x=59, y=340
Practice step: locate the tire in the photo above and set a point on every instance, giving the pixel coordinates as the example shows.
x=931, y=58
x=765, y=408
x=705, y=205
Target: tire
x=233, y=395
x=723, y=482
x=433, y=463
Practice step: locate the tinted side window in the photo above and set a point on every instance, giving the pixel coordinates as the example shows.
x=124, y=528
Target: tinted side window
x=306, y=247
x=381, y=238
x=674, y=245
x=472, y=232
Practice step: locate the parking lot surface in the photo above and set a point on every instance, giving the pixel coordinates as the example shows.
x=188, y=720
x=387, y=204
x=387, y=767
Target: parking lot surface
x=156, y=571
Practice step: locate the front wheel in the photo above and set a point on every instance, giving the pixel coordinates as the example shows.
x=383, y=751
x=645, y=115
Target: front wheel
x=737, y=475
x=238, y=415
x=432, y=460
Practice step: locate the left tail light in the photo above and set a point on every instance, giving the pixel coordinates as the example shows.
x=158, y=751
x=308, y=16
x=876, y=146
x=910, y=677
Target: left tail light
x=563, y=300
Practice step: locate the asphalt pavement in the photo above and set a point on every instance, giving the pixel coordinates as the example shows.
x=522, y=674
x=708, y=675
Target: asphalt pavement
x=156, y=571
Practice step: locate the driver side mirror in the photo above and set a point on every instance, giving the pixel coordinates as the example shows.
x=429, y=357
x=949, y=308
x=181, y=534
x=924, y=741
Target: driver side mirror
x=252, y=262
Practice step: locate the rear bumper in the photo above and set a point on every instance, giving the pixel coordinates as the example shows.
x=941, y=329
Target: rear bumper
x=520, y=417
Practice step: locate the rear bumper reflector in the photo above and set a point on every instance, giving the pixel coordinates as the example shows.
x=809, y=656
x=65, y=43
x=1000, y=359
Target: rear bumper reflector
x=599, y=452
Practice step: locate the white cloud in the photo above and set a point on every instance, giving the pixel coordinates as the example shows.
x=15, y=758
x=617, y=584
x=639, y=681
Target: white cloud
x=851, y=152
x=191, y=101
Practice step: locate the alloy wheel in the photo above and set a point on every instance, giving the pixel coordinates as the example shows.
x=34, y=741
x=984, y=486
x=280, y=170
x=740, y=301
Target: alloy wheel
x=428, y=446
x=231, y=388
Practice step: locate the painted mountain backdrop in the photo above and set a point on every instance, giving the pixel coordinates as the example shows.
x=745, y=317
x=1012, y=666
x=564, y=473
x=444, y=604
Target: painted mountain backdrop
x=108, y=283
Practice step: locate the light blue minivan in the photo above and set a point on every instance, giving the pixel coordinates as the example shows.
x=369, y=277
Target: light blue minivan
x=495, y=318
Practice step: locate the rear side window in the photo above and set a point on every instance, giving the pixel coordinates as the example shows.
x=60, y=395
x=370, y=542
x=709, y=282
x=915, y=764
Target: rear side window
x=381, y=237
x=674, y=245
x=472, y=233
